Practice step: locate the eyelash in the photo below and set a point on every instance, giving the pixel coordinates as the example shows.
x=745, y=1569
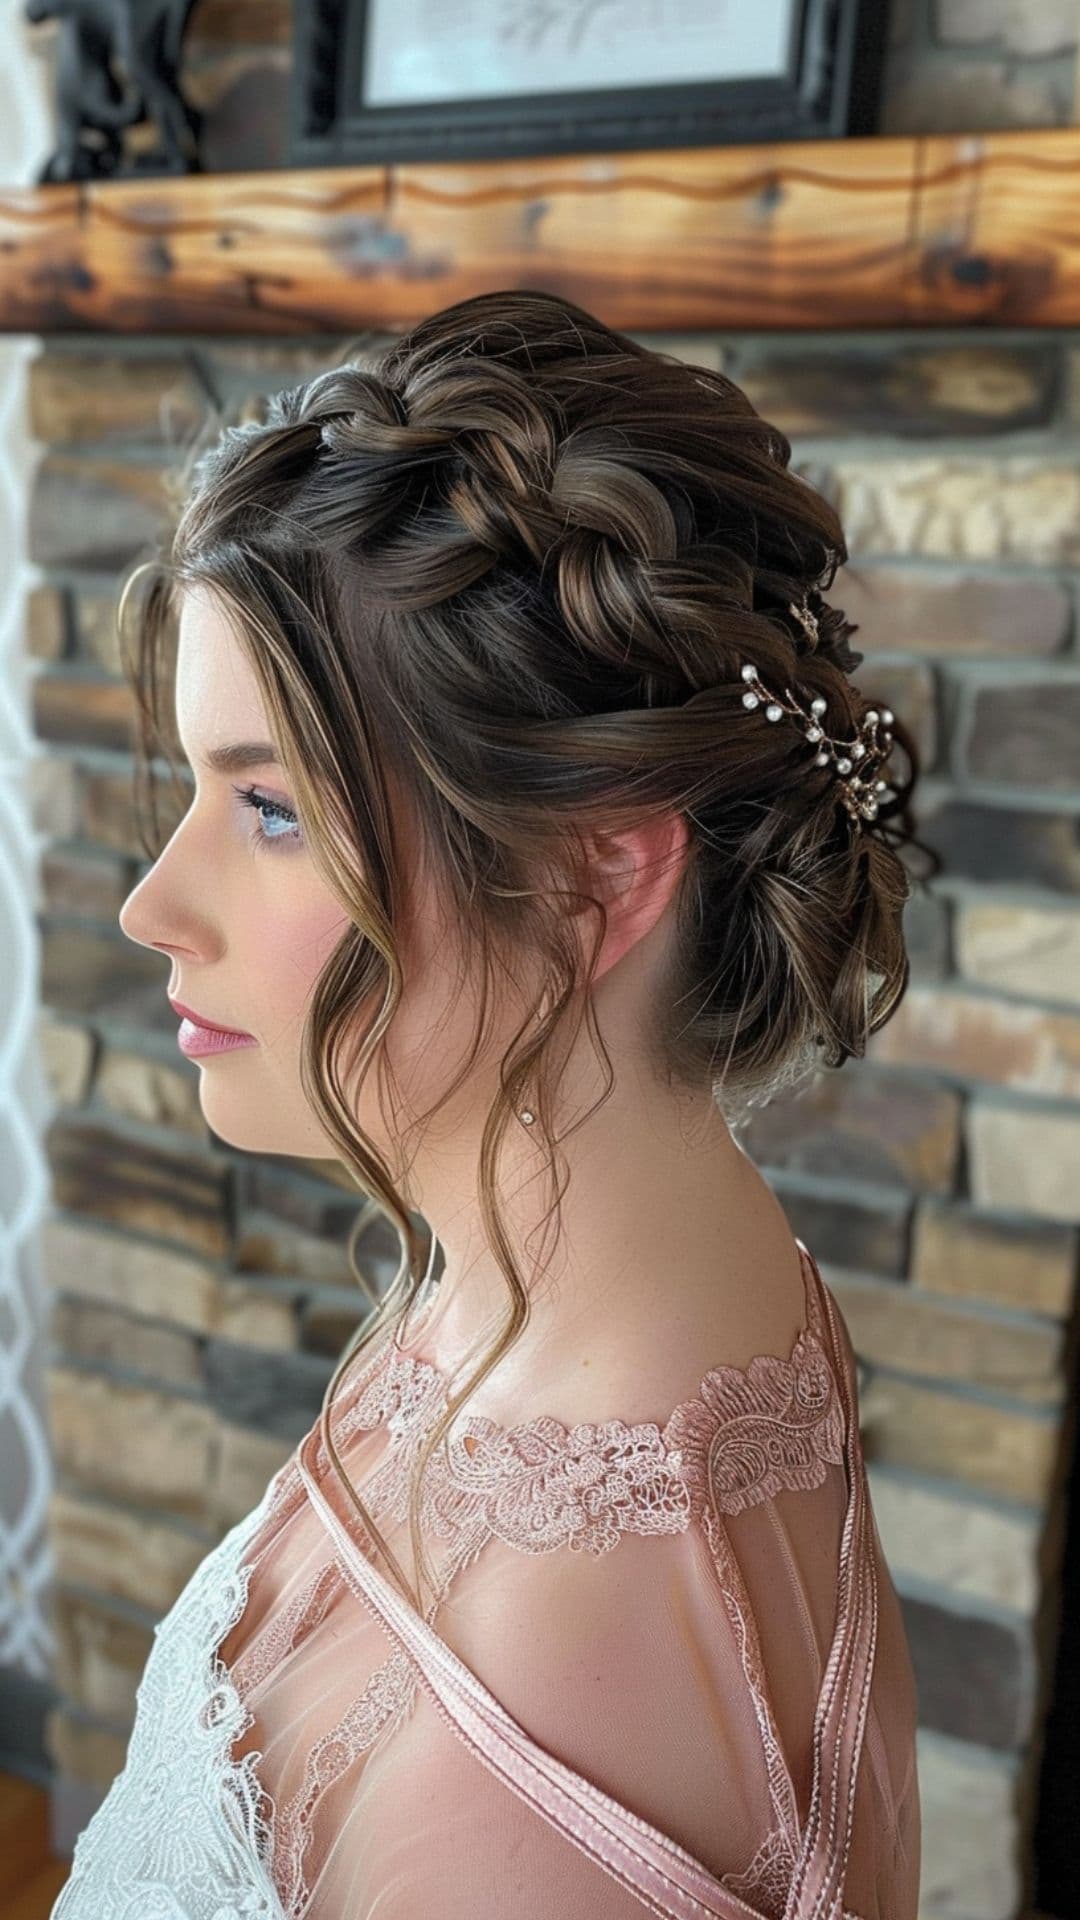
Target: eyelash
x=251, y=797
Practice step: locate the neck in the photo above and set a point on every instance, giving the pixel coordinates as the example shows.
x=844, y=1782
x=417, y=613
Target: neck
x=658, y=1200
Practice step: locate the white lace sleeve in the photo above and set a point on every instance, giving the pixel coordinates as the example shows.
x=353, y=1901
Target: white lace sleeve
x=181, y=1833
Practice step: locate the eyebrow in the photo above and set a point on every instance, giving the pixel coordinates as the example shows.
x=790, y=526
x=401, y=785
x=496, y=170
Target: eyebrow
x=241, y=755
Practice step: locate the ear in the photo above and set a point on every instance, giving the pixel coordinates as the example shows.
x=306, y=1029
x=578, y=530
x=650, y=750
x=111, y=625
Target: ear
x=634, y=872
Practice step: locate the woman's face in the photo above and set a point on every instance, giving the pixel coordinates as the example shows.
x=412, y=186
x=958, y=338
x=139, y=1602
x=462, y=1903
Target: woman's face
x=236, y=902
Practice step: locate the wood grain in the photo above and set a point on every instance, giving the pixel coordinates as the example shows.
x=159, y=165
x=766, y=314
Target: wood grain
x=931, y=231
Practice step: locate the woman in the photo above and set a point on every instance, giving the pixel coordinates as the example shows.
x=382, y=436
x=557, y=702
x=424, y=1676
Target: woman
x=538, y=835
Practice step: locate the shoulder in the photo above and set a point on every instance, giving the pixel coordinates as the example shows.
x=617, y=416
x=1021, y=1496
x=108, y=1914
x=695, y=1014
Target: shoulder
x=638, y=1357
x=655, y=1440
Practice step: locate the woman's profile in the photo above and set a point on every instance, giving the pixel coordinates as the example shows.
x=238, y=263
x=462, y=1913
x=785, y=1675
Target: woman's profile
x=539, y=837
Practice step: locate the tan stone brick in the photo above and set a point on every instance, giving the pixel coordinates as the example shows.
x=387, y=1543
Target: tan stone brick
x=265, y=1244
x=1026, y=845
x=105, y=808
x=971, y=1548
x=45, y=623
x=1025, y=950
x=981, y=1038
x=920, y=610
x=94, y=513
x=973, y=96
x=96, y=1544
x=245, y=1465
x=963, y=508
x=72, y=708
x=270, y=364
x=85, y=880
x=972, y=1833
x=52, y=791
x=1022, y=732
x=160, y=1282
x=87, y=970
x=1014, y=26
x=147, y=1089
x=807, y=387
x=864, y=1124
x=90, y=395
x=1002, y=1450
x=328, y=1326
x=85, y=1330
x=93, y=1755
x=1009, y=1263
x=127, y=1178
x=1024, y=1160
x=255, y=1318
x=67, y=1054
x=96, y=634
x=946, y=1340
x=100, y=1658
x=132, y=1442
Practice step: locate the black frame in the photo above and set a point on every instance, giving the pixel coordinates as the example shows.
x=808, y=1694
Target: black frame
x=830, y=90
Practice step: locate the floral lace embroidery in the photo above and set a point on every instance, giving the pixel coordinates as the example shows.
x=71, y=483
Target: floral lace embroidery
x=183, y=1832
x=283, y=1634
x=539, y=1487
x=380, y=1708
x=765, y=1883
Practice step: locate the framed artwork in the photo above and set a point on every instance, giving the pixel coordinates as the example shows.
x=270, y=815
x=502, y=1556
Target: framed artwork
x=384, y=80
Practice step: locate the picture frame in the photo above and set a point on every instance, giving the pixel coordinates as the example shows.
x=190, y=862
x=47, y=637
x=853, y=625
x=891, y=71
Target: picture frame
x=392, y=80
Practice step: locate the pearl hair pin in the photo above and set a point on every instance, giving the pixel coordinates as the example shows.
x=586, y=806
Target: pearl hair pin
x=869, y=748
x=860, y=793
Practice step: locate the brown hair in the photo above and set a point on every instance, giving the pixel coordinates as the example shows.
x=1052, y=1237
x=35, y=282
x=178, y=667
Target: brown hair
x=517, y=563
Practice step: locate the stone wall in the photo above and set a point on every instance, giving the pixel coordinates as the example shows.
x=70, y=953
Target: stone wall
x=200, y=1297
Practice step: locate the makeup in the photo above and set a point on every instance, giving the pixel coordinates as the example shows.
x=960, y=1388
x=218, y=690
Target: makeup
x=195, y=1037
x=194, y=1040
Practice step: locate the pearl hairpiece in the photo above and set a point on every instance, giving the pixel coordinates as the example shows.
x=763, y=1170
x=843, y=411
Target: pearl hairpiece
x=859, y=794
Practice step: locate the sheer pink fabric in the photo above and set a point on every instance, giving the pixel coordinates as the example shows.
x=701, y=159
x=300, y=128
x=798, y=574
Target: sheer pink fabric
x=666, y=1669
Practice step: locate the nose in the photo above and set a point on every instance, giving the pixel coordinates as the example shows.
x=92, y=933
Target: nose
x=141, y=921
x=166, y=912
x=134, y=916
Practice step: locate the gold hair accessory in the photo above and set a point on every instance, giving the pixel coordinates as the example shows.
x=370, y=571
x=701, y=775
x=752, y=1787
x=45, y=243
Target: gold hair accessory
x=869, y=748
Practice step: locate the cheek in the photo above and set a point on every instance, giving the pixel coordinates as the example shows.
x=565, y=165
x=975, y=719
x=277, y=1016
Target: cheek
x=286, y=952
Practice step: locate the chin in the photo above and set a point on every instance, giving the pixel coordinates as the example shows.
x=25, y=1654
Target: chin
x=261, y=1127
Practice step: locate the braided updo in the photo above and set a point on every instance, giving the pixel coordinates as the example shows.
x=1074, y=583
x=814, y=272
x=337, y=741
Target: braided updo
x=516, y=563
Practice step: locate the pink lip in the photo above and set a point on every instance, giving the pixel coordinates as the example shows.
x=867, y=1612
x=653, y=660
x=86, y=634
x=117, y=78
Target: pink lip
x=199, y=1036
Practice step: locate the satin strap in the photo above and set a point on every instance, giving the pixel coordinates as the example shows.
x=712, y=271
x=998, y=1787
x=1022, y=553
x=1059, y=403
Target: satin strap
x=664, y=1876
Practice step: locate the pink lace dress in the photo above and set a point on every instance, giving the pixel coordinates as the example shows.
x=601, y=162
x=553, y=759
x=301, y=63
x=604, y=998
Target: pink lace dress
x=669, y=1671
x=664, y=1671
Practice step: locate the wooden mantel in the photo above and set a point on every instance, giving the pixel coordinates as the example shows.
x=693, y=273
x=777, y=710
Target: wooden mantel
x=963, y=229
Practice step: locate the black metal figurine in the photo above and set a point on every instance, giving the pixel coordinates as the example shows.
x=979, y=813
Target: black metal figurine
x=117, y=65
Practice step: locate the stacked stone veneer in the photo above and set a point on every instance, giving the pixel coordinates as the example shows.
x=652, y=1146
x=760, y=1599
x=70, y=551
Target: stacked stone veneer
x=199, y=1296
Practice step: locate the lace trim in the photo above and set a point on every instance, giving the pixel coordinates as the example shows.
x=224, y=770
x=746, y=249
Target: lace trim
x=747, y=1435
x=765, y=1883
x=380, y=1709
x=283, y=1633
x=184, y=1833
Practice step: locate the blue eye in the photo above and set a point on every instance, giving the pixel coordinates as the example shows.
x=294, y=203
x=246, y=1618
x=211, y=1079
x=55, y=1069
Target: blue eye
x=278, y=822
